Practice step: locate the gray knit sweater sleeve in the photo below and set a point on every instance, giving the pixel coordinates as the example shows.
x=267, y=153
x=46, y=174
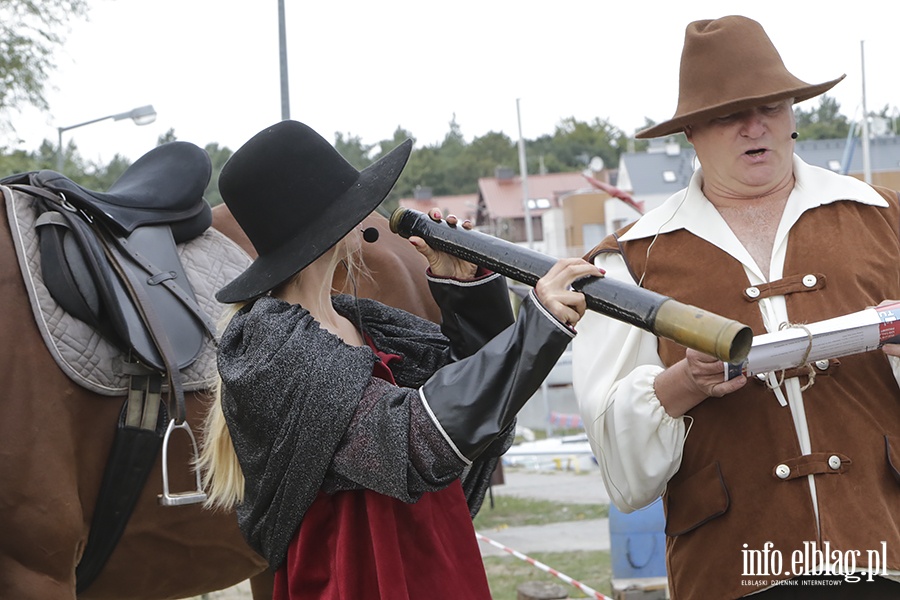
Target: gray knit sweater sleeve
x=392, y=446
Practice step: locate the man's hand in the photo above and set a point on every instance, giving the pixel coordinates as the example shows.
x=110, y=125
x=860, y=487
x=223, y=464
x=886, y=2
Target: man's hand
x=692, y=380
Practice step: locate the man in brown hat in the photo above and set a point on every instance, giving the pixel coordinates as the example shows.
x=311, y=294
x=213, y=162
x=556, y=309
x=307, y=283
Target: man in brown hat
x=781, y=484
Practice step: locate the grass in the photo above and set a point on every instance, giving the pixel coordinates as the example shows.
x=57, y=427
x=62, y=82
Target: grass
x=507, y=573
x=509, y=511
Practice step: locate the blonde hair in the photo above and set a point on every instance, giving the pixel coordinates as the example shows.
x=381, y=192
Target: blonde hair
x=220, y=470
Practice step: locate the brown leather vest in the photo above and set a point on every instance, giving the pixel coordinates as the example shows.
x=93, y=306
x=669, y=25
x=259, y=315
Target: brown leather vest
x=726, y=498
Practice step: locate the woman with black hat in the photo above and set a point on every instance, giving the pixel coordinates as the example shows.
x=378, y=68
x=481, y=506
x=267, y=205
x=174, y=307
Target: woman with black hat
x=355, y=440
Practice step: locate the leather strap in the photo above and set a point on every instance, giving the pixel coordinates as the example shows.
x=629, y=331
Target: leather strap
x=791, y=284
x=131, y=459
x=817, y=463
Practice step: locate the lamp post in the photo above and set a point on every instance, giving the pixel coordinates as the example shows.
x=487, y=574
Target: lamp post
x=142, y=115
x=282, y=62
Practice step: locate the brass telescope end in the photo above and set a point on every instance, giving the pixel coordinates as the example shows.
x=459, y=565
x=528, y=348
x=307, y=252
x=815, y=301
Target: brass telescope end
x=706, y=332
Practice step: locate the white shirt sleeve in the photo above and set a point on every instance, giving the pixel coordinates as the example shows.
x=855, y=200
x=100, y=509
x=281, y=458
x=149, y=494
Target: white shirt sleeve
x=637, y=444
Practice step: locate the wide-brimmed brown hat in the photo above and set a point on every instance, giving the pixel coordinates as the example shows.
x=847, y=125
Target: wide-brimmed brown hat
x=295, y=197
x=729, y=65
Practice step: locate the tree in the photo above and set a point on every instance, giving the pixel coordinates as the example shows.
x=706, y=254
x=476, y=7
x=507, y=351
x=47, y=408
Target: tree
x=353, y=149
x=168, y=136
x=454, y=166
x=218, y=156
x=574, y=144
x=30, y=30
x=492, y=150
x=823, y=122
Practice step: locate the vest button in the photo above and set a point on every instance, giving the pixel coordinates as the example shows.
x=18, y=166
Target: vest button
x=823, y=364
x=753, y=292
x=834, y=461
x=782, y=471
x=809, y=280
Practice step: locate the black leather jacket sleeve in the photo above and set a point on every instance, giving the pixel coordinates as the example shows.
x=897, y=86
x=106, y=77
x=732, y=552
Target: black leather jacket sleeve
x=472, y=312
x=473, y=400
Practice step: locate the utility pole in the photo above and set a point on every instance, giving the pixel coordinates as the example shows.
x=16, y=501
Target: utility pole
x=282, y=54
x=867, y=163
x=523, y=170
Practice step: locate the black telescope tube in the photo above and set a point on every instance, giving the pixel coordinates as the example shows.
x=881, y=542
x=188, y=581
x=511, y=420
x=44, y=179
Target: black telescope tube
x=690, y=326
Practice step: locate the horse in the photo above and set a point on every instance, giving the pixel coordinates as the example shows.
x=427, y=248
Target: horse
x=55, y=437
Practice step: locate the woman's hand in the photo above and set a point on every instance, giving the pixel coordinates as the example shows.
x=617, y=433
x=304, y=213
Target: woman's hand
x=554, y=289
x=441, y=263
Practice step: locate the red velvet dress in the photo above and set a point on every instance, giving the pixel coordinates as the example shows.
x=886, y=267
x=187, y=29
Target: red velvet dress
x=361, y=544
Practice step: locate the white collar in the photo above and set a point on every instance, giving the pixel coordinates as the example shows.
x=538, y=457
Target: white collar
x=689, y=209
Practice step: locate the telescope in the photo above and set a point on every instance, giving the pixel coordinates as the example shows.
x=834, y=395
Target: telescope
x=692, y=327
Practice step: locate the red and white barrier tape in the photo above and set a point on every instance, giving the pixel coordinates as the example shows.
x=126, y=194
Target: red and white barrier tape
x=577, y=584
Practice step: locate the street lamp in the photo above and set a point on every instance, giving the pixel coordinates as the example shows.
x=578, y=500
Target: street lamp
x=142, y=115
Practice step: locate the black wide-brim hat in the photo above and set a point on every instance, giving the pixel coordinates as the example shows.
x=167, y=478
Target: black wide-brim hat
x=295, y=197
x=729, y=65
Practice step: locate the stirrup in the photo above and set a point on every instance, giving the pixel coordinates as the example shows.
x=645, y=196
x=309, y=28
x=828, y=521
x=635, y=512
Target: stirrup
x=181, y=498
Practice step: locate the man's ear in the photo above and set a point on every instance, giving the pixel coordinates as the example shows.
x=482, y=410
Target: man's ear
x=687, y=132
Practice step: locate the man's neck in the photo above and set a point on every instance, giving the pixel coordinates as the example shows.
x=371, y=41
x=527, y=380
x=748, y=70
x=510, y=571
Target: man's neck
x=755, y=224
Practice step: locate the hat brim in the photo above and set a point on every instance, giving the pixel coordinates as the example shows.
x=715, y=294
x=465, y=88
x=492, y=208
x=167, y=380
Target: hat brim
x=338, y=219
x=677, y=123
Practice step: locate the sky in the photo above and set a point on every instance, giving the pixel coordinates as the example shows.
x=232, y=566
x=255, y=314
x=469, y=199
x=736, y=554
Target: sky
x=210, y=68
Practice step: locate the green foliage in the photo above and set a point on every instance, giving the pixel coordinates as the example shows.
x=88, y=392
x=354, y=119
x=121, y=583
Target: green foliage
x=574, y=144
x=353, y=149
x=19, y=161
x=454, y=166
x=90, y=175
x=217, y=156
x=822, y=122
x=168, y=136
x=30, y=31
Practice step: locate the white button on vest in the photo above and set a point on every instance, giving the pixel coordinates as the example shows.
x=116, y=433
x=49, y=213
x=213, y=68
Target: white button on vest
x=834, y=462
x=822, y=364
x=782, y=471
x=809, y=280
x=753, y=292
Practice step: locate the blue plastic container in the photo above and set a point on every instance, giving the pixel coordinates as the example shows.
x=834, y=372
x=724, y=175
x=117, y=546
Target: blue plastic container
x=638, y=542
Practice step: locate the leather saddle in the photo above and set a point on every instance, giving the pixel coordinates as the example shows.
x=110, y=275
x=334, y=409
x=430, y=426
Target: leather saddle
x=111, y=259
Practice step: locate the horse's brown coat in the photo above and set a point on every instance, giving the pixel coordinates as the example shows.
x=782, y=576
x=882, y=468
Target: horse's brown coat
x=54, y=441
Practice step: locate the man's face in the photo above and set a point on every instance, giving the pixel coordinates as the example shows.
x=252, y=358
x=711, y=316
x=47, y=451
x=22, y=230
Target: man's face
x=748, y=152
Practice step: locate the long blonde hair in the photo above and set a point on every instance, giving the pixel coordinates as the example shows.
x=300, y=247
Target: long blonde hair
x=220, y=471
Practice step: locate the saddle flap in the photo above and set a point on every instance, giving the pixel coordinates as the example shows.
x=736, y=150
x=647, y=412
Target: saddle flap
x=115, y=296
x=184, y=328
